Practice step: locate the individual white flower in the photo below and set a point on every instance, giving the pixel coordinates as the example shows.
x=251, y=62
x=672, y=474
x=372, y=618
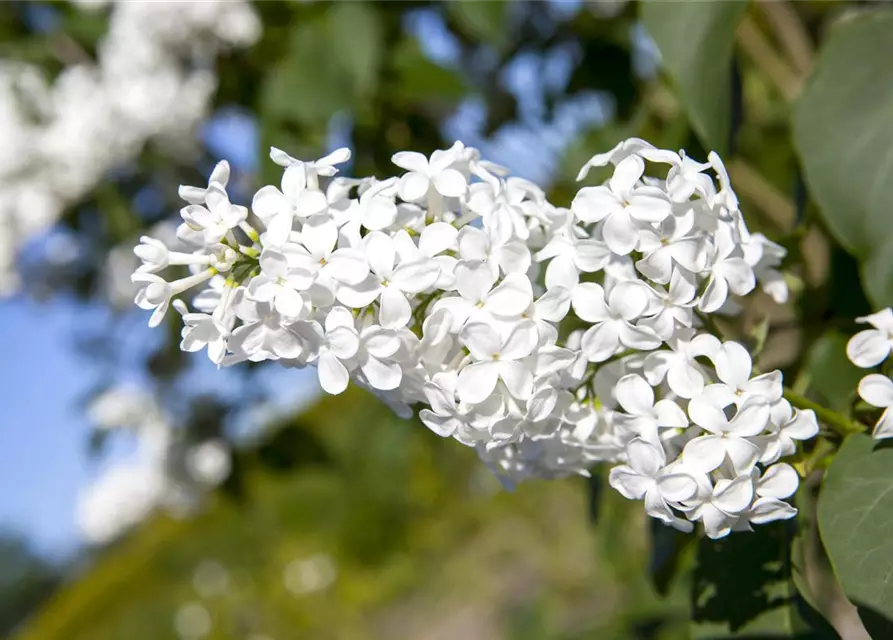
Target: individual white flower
x=612, y=327
x=733, y=367
x=671, y=310
x=671, y=245
x=479, y=300
x=644, y=417
x=877, y=390
x=725, y=437
x=496, y=358
x=377, y=208
x=389, y=281
x=155, y=293
x=647, y=477
x=475, y=244
x=197, y=195
x=540, y=418
x=786, y=425
x=729, y=271
x=217, y=218
x=764, y=256
x=279, y=284
x=316, y=254
x=424, y=174
x=622, y=205
x=719, y=507
x=869, y=348
x=264, y=335
x=339, y=344
x=684, y=375
x=776, y=483
x=569, y=256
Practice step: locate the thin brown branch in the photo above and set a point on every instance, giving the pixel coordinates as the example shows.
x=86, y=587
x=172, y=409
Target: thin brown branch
x=758, y=48
x=790, y=33
x=751, y=184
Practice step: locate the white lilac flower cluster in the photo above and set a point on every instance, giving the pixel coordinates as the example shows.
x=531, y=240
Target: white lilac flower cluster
x=152, y=80
x=547, y=338
x=868, y=349
x=165, y=472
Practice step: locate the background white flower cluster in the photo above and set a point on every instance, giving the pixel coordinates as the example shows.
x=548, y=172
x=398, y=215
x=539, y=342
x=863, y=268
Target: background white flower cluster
x=152, y=80
x=548, y=338
x=167, y=471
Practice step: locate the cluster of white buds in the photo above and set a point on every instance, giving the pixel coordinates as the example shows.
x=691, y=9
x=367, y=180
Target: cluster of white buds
x=547, y=338
x=868, y=349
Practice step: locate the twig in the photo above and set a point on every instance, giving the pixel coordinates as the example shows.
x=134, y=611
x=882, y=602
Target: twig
x=790, y=33
x=757, y=46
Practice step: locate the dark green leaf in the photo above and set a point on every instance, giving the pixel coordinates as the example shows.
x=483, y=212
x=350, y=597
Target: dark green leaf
x=843, y=133
x=830, y=372
x=695, y=41
x=855, y=518
x=742, y=587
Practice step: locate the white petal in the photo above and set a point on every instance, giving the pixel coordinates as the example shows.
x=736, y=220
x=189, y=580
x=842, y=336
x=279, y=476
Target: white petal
x=593, y=204
x=474, y=280
x=637, y=337
x=273, y=263
x=541, y=404
x=518, y=378
x=778, y=481
x=473, y=243
x=319, y=234
x=512, y=297
x=415, y=277
x=648, y=207
x=395, y=311
x=553, y=305
x=626, y=175
x=450, y=183
x=751, y=419
x=347, y=265
x=310, y=202
x=513, y=257
x=769, y=510
x=736, y=497
x=733, y=365
x=443, y=426
x=714, y=295
x=437, y=237
x=383, y=376
x=333, y=376
x=704, y=453
x=884, y=427
x=289, y=302
x=380, y=253
x=562, y=272
x=413, y=186
x=876, y=390
x=520, y=342
x=635, y=395
x=670, y=414
x=646, y=458
x=411, y=161
x=600, y=342
x=677, y=487
x=629, y=299
x=868, y=348
x=482, y=340
x=628, y=483
x=294, y=180
x=589, y=302
x=343, y=341
x=361, y=294
x=620, y=233
x=477, y=381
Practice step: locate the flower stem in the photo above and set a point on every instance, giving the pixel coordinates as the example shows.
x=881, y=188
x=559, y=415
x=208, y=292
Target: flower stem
x=841, y=424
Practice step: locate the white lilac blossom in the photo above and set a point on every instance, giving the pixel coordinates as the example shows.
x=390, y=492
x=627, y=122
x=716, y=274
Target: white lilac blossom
x=868, y=349
x=548, y=338
x=166, y=471
x=151, y=80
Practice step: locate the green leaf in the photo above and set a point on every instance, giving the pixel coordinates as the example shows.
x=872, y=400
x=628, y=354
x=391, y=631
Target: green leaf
x=742, y=588
x=332, y=63
x=695, y=41
x=844, y=136
x=855, y=518
x=831, y=374
x=482, y=20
